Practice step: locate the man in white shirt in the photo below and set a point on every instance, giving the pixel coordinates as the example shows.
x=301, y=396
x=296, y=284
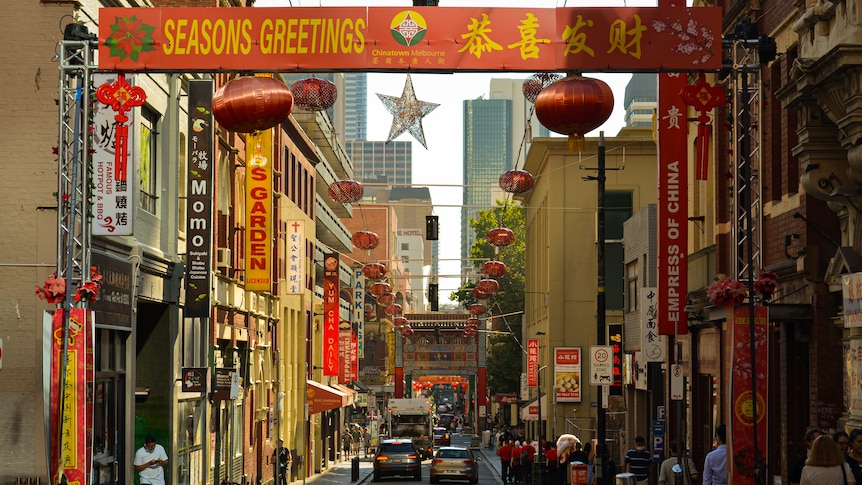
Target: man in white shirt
x=715, y=465
x=150, y=461
x=667, y=475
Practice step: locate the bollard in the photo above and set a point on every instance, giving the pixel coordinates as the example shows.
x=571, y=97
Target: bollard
x=354, y=469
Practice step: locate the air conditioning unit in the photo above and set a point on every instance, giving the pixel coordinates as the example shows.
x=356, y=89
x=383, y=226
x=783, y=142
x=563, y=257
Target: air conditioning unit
x=223, y=258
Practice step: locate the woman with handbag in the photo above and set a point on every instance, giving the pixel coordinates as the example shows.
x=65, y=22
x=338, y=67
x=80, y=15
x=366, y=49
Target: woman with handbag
x=825, y=465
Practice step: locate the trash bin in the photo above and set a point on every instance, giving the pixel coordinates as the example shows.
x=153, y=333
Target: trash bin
x=579, y=474
x=486, y=439
x=626, y=479
x=354, y=469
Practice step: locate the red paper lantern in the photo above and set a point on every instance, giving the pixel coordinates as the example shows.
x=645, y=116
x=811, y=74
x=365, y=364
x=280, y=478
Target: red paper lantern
x=400, y=322
x=534, y=84
x=379, y=288
x=494, y=269
x=314, y=94
x=469, y=333
x=365, y=239
x=479, y=295
x=488, y=286
x=386, y=299
x=345, y=191
x=574, y=106
x=500, y=236
x=374, y=271
x=394, y=309
x=251, y=103
x=473, y=322
x=406, y=331
x=516, y=181
x=477, y=309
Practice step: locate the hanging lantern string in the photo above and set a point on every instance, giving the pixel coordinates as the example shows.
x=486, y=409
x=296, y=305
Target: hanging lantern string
x=508, y=326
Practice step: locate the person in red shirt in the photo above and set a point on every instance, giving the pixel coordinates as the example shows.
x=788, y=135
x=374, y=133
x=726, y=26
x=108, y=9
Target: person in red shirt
x=528, y=452
x=505, y=454
x=551, y=465
x=516, y=471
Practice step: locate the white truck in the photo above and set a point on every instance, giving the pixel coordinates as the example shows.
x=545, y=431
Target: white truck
x=412, y=418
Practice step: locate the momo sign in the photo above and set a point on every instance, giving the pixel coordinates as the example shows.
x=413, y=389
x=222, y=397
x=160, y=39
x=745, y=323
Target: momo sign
x=446, y=39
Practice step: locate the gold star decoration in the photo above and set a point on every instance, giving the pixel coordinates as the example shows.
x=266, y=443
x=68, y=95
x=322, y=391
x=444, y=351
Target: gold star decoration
x=407, y=113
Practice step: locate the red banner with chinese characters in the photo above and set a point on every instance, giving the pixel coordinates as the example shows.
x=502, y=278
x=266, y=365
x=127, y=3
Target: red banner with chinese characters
x=72, y=426
x=416, y=39
x=330, y=314
x=533, y=362
x=344, y=364
x=354, y=357
x=615, y=338
x=741, y=456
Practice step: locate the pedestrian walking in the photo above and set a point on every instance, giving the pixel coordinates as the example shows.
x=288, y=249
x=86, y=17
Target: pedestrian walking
x=639, y=461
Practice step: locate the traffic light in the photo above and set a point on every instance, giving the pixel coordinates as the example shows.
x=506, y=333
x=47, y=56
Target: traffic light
x=432, y=297
x=432, y=226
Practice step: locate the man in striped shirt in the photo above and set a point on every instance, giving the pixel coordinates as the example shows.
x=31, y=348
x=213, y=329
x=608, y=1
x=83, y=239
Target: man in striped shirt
x=638, y=461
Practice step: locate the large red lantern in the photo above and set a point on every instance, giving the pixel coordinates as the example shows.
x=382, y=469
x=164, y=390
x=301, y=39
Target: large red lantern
x=394, y=309
x=516, y=181
x=574, y=106
x=345, y=191
x=472, y=322
x=494, y=269
x=374, y=271
x=386, y=299
x=314, y=94
x=252, y=103
x=479, y=295
x=379, y=288
x=477, y=309
x=399, y=322
x=488, y=286
x=365, y=239
x=406, y=331
x=500, y=236
x=534, y=84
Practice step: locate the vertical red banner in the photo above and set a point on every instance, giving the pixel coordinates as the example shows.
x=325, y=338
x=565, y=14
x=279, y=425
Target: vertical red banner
x=533, y=362
x=615, y=337
x=741, y=455
x=330, y=314
x=354, y=357
x=72, y=426
x=344, y=364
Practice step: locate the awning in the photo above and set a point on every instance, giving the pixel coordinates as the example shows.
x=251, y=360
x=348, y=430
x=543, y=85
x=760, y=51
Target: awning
x=530, y=411
x=323, y=398
x=350, y=393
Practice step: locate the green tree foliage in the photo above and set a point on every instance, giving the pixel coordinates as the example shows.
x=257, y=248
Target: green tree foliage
x=505, y=351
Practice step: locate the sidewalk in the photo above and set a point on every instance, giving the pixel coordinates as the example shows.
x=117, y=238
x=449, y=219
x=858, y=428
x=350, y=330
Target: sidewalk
x=340, y=473
x=491, y=460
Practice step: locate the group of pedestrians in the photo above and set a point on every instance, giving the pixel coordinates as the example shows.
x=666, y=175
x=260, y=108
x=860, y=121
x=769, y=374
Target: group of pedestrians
x=355, y=440
x=829, y=460
x=516, y=460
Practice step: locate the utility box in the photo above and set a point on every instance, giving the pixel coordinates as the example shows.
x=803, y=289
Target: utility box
x=579, y=473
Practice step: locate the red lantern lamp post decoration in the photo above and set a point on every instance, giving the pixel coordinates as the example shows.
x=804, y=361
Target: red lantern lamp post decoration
x=374, y=271
x=314, y=94
x=494, y=269
x=345, y=191
x=500, y=236
x=516, y=181
x=252, y=103
x=574, y=106
x=477, y=309
x=488, y=286
x=366, y=240
x=379, y=288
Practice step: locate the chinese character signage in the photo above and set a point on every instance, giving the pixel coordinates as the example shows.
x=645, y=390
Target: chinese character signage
x=357, y=315
x=112, y=198
x=567, y=374
x=533, y=362
x=199, y=199
x=258, y=215
x=851, y=295
x=615, y=336
x=295, y=256
x=330, y=314
x=415, y=39
x=344, y=363
x=653, y=345
x=672, y=209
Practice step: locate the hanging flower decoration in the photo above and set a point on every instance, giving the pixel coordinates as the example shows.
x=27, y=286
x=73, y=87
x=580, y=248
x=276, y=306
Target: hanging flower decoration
x=54, y=289
x=534, y=84
x=366, y=240
x=488, y=286
x=766, y=283
x=345, y=191
x=252, y=103
x=516, y=181
x=394, y=309
x=477, y=309
x=379, y=288
x=500, y=236
x=314, y=94
x=494, y=269
x=374, y=271
x=726, y=292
